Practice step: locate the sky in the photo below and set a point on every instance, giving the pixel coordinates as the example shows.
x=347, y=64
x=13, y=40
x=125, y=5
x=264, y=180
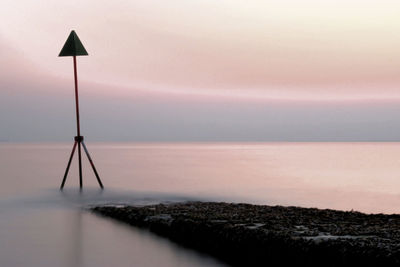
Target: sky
x=186, y=70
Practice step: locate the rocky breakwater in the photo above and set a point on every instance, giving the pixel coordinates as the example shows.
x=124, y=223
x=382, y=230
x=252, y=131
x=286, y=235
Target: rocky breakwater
x=254, y=235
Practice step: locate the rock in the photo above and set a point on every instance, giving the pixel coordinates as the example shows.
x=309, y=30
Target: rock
x=254, y=235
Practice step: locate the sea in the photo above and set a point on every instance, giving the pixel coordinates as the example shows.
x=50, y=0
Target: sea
x=41, y=225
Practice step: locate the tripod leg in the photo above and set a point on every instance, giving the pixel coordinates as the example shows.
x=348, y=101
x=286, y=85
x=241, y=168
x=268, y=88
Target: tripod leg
x=80, y=164
x=91, y=163
x=69, y=164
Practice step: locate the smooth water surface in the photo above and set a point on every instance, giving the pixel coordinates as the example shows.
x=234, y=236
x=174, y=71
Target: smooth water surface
x=41, y=226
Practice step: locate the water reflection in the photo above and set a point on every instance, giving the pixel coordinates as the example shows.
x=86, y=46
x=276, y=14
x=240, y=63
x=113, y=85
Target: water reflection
x=42, y=226
x=74, y=258
x=60, y=231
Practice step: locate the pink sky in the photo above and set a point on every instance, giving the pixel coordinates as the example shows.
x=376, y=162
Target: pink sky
x=185, y=70
x=306, y=50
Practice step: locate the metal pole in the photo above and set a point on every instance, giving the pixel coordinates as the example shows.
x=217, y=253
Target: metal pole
x=69, y=164
x=73, y=47
x=80, y=165
x=91, y=163
x=78, y=128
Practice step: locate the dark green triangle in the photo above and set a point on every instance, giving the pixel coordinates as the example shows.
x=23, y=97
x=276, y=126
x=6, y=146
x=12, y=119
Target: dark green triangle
x=73, y=47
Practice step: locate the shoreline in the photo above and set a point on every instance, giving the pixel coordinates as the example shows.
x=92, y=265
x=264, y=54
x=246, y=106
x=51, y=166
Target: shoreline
x=259, y=235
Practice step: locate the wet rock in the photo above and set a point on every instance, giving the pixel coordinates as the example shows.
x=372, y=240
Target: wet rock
x=254, y=235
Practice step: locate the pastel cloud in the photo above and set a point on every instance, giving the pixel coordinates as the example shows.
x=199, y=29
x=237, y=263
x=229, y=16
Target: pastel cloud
x=273, y=49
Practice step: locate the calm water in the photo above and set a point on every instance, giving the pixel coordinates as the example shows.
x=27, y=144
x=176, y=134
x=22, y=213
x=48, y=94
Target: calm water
x=41, y=226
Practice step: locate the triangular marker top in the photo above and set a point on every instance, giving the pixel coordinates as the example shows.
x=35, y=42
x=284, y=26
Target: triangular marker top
x=73, y=47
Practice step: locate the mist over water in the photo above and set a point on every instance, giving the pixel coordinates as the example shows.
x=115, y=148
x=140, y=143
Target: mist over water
x=42, y=226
